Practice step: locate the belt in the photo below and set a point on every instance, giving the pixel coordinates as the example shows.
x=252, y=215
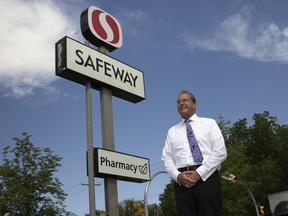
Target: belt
x=189, y=168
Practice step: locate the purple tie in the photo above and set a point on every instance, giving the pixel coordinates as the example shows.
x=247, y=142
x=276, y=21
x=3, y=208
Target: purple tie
x=196, y=152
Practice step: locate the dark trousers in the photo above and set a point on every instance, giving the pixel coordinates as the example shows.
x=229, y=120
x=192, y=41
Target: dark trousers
x=203, y=199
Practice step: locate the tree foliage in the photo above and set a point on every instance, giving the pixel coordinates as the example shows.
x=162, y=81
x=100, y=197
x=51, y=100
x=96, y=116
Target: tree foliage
x=139, y=207
x=167, y=200
x=154, y=210
x=129, y=207
x=258, y=156
x=27, y=183
x=126, y=208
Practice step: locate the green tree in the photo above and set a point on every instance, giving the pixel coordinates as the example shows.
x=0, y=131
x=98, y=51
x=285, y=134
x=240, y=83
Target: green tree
x=154, y=210
x=27, y=183
x=126, y=208
x=167, y=200
x=257, y=155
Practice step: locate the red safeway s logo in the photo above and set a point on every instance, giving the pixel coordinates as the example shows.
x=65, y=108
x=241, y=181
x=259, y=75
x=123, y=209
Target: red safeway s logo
x=101, y=29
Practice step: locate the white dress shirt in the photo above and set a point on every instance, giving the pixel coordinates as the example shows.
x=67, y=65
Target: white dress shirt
x=177, y=154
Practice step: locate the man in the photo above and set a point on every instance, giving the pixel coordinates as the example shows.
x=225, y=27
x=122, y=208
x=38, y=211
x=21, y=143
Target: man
x=194, y=164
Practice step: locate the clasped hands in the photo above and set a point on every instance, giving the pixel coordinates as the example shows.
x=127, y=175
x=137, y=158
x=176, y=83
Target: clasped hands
x=188, y=178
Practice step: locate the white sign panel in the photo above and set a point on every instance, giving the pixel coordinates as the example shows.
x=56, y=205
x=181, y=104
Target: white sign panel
x=123, y=166
x=79, y=63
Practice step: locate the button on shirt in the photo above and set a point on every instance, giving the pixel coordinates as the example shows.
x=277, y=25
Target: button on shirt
x=177, y=154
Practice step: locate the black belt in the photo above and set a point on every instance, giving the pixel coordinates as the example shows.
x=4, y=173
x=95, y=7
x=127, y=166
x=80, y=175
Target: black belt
x=188, y=168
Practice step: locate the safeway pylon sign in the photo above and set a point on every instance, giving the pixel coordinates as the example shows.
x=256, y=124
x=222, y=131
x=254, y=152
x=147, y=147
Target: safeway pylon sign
x=79, y=63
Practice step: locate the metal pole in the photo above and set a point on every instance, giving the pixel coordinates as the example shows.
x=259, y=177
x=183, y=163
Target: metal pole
x=110, y=183
x=250, y=192
x=90, y=149
x=146, y=192
x=254, y=201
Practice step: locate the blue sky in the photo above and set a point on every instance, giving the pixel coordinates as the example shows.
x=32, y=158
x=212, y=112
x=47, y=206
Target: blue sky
x=233, y=55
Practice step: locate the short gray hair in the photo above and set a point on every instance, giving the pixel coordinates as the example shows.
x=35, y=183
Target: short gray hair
x=189, y=93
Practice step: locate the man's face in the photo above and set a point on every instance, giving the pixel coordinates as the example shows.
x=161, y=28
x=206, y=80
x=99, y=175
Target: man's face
x=186, y=107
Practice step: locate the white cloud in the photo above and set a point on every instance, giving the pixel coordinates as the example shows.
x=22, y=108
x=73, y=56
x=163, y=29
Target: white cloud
x=134, y=15
x=262, y=42
x=134, y=22
x=29, y=30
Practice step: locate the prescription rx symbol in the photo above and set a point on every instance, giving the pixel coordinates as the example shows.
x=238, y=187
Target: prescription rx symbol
x=101, y=28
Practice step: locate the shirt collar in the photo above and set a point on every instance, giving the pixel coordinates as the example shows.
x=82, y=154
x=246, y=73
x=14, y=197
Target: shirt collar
x=193, y=118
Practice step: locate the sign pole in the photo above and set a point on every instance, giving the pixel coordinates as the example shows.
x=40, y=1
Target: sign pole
x=110, y=184
x=90, y=148
x=95, y=69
